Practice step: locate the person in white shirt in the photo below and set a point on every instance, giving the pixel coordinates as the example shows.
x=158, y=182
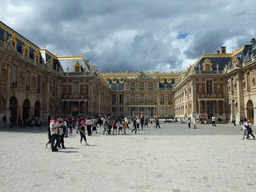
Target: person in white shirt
x=213, y=121
x=138, y=123
x=54, y=135
x=189, y=121
x=245, y=128
x=194, y=122
x=89, y=126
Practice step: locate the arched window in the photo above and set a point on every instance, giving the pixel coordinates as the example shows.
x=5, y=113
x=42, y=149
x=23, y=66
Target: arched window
x=132, y=98
x=141, y=98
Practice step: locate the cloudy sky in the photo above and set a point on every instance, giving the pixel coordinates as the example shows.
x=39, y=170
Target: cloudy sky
x=133, y=35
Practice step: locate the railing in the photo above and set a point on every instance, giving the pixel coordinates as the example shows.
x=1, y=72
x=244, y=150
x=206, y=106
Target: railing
x=76, y=74
x=138, y=103
x=209, y=72
x=212, y=95
x=74, y=96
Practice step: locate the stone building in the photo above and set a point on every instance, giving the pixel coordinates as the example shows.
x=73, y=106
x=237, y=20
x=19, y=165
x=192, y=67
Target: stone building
x=36, y=82
x=136, y=94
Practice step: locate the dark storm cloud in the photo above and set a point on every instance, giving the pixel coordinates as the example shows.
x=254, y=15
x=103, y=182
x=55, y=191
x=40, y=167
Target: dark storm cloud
x=132, y=35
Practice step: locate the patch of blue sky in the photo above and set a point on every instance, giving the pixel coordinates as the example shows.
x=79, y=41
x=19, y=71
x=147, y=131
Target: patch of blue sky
x=182, y=35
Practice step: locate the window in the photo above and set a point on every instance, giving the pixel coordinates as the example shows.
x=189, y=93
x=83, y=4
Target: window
x=150, y=98
x=232, y=86
x=121, y=99
x=169, y=99
x=113, y=99
x=162, y=111
x=162, y=99
x=132, y=111
x=132, y=85
x=38, y=83
x=141, y=110
x=209, y=87
x=14, y=74
x=121, y=110
x=141, y=85
x=77, y=68
x=113, y=110
x=141, y=99
x=28, y=78
x=248, y=79
x=150, y=112
x=75, y=88
x=132, y=98
x=53, y=88
x=150, y=85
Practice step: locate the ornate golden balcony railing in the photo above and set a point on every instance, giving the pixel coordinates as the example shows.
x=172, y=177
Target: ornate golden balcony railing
x=64, y=96
x=212, y=95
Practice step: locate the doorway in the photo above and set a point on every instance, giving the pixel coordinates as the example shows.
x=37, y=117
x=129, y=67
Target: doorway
x=250, y=112
x=14, y=107
x=26, y=109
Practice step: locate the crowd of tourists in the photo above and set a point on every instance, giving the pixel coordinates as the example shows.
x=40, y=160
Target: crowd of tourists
x=32, y=121
x=63, y=127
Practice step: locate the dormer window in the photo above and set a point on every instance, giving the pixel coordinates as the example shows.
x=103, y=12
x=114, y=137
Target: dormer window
x=207, y=65
x=77, y=67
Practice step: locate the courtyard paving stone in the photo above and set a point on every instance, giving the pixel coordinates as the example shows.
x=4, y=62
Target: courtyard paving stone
x=173, y=158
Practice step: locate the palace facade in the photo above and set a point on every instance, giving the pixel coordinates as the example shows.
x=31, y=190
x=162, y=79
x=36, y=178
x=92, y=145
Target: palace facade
x=36, y=82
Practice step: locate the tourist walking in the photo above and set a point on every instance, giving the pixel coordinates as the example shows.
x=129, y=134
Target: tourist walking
x=194, y=122
x=245, y=128
x=61, y=133
x=54, y=134
x=89, y=126
x=234, y=120
x=213, y=121
x=250, y=130
x=138, y=123
x=120, y=127
x=82, y=134
x=134, y=125
x=94, y=128
x=142, y=123
x=189, y=121
x=146, y=122
x=114, y=126
x=124, y=126
x=157, y=123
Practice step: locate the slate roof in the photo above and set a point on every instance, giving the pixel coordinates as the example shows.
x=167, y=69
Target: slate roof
x=221, y=61
x=166, y=84
x=18, y=34
x=70, y=62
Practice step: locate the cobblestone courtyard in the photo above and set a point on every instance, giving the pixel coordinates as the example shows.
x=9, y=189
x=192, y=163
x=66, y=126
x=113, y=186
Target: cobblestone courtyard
x=173, y=158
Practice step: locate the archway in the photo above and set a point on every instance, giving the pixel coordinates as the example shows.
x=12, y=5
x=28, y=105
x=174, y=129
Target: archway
x=26, y=109
x=13, y=107
x=250, y=112
x=37, y=109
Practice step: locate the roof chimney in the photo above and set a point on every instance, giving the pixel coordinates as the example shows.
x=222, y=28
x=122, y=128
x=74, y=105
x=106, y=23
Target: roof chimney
x=218, y=52
x=222, y=49
x=253, y=41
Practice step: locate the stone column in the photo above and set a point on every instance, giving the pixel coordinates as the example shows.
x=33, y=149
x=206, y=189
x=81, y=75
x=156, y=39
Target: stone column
x=205, y=107
x=217, y=107
x=199, y=107
x=8, y=90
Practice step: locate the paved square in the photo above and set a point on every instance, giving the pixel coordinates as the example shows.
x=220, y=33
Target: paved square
x=173, y=158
